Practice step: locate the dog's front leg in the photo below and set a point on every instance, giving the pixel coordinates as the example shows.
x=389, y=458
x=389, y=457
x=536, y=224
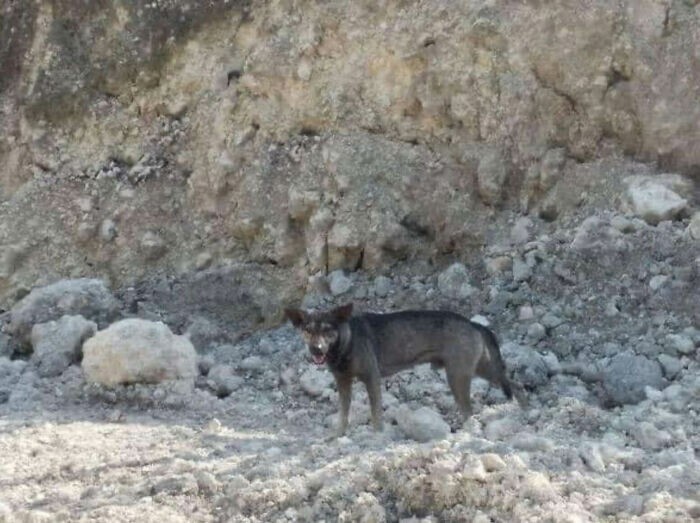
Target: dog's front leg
x=374, y=391
x=344, y=384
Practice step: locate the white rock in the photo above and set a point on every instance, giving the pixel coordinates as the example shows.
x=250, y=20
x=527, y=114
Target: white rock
x=680, y=343
x=481, y=320
x=521, y=232
x=315, y=381
x=339, y=283
x=656, y=282
x=138, y=351
x=423, y=424
x=382, y=286
x=492, y=462
x=521, y=270
x=651, y=200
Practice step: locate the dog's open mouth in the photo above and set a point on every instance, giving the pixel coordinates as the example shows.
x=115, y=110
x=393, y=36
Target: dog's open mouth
x=319, y=359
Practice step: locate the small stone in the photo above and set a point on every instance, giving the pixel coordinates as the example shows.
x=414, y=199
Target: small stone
x=521, y=232
x=108, y=230
x=622, y=224
x=423, y=424
x=153, y=246
x=680, y=343
x=670, y=365
x=339, y=283
x=252, y=363
x=223, y=380
x=536, y=332
x=382, y=286
x=202, y=261
x=214, y=426
x=525, y=313
x=453, y=282
x=551, y=321
x=694, y=226
x=592, y=457
x=656, y=282
x=521, y=270
x=315, y=381
x=498, y=265
x=492, y=462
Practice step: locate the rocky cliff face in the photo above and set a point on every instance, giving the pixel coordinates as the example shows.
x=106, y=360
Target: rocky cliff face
x=289, y=138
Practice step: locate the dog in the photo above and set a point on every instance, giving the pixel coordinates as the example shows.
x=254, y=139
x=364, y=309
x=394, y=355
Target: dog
x=372, y=346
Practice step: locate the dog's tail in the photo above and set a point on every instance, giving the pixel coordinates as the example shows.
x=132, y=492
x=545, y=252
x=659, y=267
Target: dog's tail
x=497, y=363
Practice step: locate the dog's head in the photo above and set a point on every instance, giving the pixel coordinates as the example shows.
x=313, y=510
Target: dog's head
x=320, y=330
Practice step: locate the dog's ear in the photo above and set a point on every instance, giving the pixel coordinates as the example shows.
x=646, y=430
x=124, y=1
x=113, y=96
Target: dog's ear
x=343, y=313
x=296, y=316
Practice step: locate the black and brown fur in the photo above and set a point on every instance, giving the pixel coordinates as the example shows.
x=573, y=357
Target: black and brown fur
x=371, y=346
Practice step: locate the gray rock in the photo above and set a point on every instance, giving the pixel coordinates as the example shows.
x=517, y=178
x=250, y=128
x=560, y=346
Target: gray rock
x=626, y=375
x=536, y=332
x=651, y=200
x=521, y=270
x=680, y=343
x=527, y=366
x=423, y=424
x=651, y=438
x=521, y=232
x=658, y=281
x=153, y=246
x=203, y=333
x=694, y=226
x=57, y=344
x=315, y=381
x=670, y=365
x=84, y=297
x=382, y=286
x=339, y=283
x=252, y=363
x=453, y=282
x=223, y=380
x=108, y=231
x=138, y=351
x=491, y=175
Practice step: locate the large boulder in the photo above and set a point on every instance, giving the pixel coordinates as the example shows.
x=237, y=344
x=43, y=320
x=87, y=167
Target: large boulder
x=138, y=351
x=527, y=366
x=89, y=298
x=654, y=200
x=626, y=376
x=57, y=344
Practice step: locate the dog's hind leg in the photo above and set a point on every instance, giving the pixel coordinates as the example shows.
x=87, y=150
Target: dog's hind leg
x=460, y=385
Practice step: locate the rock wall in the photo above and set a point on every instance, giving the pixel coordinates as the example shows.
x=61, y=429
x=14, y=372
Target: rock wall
x=141, y=138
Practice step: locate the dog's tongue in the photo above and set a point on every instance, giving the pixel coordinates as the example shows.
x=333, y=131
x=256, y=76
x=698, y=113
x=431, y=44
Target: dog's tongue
x=320, y=359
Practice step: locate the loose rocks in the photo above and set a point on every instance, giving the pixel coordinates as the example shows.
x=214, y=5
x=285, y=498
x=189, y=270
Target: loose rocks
x=89, y=298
